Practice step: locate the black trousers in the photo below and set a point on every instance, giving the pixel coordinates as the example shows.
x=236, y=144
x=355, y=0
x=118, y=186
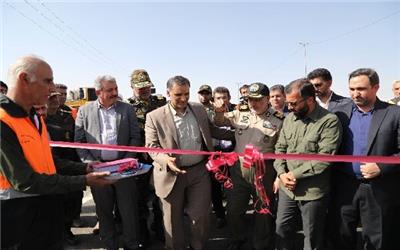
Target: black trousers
x=216, y=197
x=32, y=222
x=313, y=215
x=353, y=202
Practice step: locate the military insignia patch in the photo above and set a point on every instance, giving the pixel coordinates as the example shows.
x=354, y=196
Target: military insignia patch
x=254, y=88
x=268, y=124
x=245, y=119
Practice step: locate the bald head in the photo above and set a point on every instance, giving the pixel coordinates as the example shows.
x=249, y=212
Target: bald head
x=30, y=80
x=396, y=88
x=27, y=65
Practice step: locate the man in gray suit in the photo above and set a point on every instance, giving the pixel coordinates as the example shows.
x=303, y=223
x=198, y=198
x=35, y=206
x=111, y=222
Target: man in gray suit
x=182, y=181
x=322, y=80
x=109, y=121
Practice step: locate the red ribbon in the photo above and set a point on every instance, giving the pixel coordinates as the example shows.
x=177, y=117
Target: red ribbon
x=305, y=157
x=218, y=164
x=253, y=157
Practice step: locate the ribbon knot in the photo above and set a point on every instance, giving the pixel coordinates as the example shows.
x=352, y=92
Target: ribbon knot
x=253, y=157
x=218, y=164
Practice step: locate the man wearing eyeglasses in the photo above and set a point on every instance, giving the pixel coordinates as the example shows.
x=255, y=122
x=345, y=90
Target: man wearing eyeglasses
x=322, y=80
x=304, y=185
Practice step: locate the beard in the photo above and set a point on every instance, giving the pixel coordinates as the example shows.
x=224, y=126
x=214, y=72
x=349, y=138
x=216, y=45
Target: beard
x=302, y=112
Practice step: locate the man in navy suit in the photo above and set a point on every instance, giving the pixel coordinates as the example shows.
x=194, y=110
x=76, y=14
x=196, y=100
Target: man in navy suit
x=322, y=80
x=366, y=192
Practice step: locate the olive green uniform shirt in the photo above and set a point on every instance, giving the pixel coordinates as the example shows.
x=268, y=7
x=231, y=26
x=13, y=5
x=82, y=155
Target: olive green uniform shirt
x=319, y=133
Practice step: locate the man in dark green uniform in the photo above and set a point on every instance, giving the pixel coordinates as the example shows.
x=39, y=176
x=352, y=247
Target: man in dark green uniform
x=144, y=102
x=304, y=185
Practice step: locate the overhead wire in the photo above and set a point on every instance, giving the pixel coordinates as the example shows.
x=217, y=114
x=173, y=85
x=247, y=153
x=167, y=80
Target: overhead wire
x=62, y=30
x=81, y=37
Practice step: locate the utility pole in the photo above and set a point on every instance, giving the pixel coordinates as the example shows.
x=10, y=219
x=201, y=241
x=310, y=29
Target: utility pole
x=304, y=44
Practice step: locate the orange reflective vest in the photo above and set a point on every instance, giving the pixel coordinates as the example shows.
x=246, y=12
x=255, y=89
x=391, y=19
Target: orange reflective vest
x=74, y=113
x=35, y=146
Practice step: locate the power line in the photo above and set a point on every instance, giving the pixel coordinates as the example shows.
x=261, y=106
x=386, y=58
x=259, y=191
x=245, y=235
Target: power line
x=78, y=35
x=357, y=29
x=48, y=32
x=62, y=30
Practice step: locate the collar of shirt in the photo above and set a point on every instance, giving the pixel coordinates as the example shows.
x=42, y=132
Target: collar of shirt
x=175, y=113
x=355, y=108
x=100, y=106
x=315, y=114
x=324, y=104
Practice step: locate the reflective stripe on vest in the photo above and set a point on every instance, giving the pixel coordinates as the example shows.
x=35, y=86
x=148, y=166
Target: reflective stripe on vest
x=35, y=146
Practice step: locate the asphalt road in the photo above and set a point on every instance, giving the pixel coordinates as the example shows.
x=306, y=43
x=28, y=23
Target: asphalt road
x=218, y=238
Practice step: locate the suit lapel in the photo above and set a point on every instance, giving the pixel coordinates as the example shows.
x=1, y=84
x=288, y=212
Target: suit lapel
x=118, y=116
x=170, y=124
x=376, y=121
x=96, y=125
x=201, y=125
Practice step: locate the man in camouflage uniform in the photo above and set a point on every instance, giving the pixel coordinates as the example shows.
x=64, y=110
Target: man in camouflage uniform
x=205, y=98
x=144, y=102
x=396, y=91
x=260, y=127
x=244, y=93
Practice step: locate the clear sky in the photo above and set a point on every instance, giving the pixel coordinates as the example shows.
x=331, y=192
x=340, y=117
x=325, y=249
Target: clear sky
x=216, y=43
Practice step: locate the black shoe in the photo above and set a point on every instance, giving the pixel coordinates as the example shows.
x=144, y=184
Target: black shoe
x=220, y=223
x=77, y=223
x=70, y=238
x=235, y=245
x=96, y=229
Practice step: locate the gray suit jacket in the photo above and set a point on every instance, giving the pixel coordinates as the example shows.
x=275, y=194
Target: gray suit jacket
x=161, y=132
x=87, y=129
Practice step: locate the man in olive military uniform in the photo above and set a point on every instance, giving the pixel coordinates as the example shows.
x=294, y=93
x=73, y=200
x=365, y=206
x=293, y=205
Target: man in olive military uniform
x=260, y=127
x=144, y=102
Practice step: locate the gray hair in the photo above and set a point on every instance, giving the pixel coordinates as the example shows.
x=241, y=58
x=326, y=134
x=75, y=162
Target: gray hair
x=26, y=64
x=178, y=80
x=98, y=83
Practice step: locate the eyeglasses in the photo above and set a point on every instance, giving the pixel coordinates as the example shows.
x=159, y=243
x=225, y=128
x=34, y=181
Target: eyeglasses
x=317, y=85
x=294, y=104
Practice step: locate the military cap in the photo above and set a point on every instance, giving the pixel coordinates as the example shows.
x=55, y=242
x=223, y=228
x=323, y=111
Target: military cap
x=258, y=90
x=205, y=88
x=140, y=79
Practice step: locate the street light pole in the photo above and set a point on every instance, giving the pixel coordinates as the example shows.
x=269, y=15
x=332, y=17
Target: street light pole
x=304, y=44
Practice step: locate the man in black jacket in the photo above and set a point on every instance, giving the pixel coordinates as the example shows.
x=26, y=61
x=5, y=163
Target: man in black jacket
x=366, y=192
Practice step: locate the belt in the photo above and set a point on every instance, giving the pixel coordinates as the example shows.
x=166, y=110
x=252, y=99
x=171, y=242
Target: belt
x=363, y=180
x=193, y=165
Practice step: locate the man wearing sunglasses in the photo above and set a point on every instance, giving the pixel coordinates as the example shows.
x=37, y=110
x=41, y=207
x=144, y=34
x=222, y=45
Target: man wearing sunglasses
x=304, y=185
x=322, y=80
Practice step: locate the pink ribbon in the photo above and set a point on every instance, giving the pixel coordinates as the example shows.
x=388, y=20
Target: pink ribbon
x=219, y=162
